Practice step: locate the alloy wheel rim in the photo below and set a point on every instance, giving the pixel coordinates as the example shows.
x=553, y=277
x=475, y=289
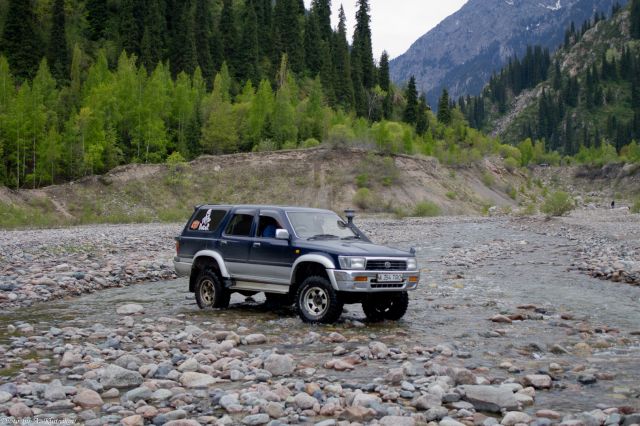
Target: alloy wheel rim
x=315, y=301
x=207, y=292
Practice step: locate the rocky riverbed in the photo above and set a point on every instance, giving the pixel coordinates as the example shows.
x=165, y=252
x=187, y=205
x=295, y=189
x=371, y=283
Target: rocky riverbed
x=506, y=328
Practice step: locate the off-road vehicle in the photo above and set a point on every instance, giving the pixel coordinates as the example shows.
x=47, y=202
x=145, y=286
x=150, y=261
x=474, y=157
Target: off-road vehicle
x=308, y=257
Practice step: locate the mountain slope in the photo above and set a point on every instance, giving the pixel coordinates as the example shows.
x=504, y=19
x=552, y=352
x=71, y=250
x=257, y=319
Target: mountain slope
x=464, y=50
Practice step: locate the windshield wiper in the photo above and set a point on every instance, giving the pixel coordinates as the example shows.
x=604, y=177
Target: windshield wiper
x=352, y=237
x=322, y=236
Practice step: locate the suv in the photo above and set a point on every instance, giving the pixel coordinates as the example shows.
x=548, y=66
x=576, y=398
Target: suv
x=309, y=257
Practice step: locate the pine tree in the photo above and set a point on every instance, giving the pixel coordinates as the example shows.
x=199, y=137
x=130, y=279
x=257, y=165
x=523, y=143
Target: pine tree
x=344, y=84
x=312, y=44
x=249, y=49
x=229, y=35
x=384, y=79
x=444, y=108
x=411, y=110
x=153, y=43
x=97, y=18
x=203, y=31
x=58, y=54
x=20, y=41
x=422, y=123
x=362, y=57
x=184, y=56
x=322, y=9
x=288, y=33
x=129, y=27
x=635, y=19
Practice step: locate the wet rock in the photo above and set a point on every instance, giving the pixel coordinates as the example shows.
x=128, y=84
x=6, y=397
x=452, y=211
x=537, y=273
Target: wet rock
x=515, y=417
x=632, y=419
x=118, y=377
x=358, y=414
x=587, y=379
x=192, y=379
x=501, y=319
x=279, y=365
x=337, y=338
x=379, y=349
x=397, y=421
x=426, y=402
x=130, y=309
x=490, y=398
x=87, y=398
x=538, y=381
x=256, y=419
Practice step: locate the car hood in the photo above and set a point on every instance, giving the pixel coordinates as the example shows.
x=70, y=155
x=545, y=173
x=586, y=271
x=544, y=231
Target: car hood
x=352, y=248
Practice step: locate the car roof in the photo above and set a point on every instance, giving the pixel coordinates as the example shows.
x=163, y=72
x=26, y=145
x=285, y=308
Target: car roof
x=265, y=207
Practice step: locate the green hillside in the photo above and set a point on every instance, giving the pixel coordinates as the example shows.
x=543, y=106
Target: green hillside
x=584, y=101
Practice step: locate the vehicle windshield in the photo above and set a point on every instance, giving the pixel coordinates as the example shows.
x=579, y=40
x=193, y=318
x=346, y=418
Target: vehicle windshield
x=319, y=225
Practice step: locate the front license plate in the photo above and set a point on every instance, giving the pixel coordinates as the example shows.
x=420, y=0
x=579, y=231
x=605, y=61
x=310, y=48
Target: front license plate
x=390, y=278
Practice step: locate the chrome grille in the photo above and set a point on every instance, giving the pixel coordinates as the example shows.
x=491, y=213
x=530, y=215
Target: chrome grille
x=386, y=265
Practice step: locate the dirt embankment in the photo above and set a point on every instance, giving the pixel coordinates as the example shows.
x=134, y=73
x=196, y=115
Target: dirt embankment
x=316, y=177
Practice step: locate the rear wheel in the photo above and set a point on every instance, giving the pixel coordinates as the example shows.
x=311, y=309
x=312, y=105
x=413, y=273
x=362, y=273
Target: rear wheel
x=210, y=293
x=391, y=306
x=317, y=301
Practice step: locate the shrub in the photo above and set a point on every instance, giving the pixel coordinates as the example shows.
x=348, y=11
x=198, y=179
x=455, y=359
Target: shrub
x=511, y=164
x=363, y=198
x=636, y=207
x=426, y=209
x=452, y=195
x=362, y=180
x=290, y=145
x=488, y=179
x=557, y=204
x=310, y=143
x=512, y=192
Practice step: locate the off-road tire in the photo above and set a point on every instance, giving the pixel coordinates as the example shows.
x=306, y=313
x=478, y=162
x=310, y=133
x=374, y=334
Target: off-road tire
x=317, y=301
x=390, y=306
x=210, y=293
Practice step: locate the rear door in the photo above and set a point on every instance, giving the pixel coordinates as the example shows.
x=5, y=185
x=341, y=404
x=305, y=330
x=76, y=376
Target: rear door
x=236, y=241
x=270, y=260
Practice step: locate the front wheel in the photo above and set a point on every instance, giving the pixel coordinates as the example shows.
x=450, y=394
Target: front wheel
x=317, y=301
x=391, y=306
x=210, y=293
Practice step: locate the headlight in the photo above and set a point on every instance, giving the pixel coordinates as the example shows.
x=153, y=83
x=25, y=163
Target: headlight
x=412, y=264
x=351, y=263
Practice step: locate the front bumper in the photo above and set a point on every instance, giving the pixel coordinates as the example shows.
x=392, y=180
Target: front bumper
x=367, y=281
x=182, y=266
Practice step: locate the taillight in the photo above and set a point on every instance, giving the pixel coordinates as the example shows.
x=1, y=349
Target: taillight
x=177, y=247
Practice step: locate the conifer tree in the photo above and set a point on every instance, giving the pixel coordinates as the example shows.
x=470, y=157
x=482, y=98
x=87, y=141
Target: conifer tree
x=58, y=54
x=184, y=56
x=422, y=123
x=229, y=35
x=411, y=110
x=153, y=43
x=312, y=44
x=203, y=31
x=129, y=27
x=97, y=18
x=288, y=33
x=384, y=79
x=322, y=9
x=20, y=41
x=249, y=49
x=444, y=108
x=362, y=47
x=635, y=19
x=343, y=84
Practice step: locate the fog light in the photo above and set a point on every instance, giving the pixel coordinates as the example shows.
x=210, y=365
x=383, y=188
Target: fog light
x=342, y=276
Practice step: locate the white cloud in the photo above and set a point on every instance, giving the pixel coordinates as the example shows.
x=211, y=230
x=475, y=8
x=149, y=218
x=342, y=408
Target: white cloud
x=396, y=24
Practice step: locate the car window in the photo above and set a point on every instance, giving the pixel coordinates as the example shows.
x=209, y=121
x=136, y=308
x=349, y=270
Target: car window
x=267, y=227
x=240, y=225
x=207, y=220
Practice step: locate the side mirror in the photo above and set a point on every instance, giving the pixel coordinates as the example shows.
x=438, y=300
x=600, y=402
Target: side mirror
x=282, y=234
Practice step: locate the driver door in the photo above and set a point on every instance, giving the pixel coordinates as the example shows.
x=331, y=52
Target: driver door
x=270, y=259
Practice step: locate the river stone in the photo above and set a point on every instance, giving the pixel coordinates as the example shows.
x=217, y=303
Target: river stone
x=20, y=410
x=365, y=400
x=5, y=396
x=632, y=419
x=256, y=419
x=538, y=381
x=255, y=339
x=130, y=309
x=69, y=359
x=358, y=414
x=426, y=402
x=191, y=379
x=135, y=420
x=137, y=394
x=54, y=391
x=87, y=398
x=397, y=421
x=304, y=401
x=274, y=410
x=190, y=364
x=490, y=398
x=161, y=395
x=279, y=365
x=182, y=422
x=114, y=376
x=448, y=421
x=515, y=417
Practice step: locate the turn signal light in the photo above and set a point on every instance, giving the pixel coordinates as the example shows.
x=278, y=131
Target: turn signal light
x=361, y=279
x=413, y=279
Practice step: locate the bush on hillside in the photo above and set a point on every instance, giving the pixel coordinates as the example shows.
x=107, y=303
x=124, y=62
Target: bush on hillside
x=558, y=203
x=426, y=209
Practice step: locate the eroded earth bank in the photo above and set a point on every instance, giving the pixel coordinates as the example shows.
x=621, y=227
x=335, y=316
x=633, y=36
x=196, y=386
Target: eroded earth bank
x=508, y=326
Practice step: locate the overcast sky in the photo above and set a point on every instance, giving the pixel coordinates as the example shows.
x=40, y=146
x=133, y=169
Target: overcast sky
x=396, y=24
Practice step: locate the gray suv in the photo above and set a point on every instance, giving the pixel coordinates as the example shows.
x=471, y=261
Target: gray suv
x=308, y=257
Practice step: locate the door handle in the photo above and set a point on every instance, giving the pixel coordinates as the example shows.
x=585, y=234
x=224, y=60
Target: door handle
x=223, y=243
x=256, y=244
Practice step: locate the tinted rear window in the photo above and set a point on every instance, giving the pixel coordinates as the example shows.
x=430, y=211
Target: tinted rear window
x=207, y=220
x=240, y=225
